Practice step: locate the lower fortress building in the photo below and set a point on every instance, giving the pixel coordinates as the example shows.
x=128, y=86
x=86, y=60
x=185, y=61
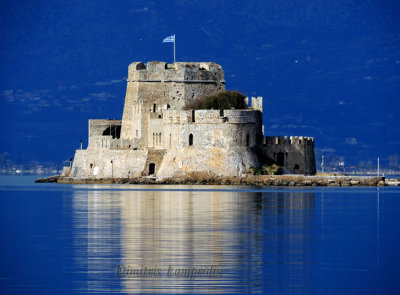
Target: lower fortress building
x=158, y=137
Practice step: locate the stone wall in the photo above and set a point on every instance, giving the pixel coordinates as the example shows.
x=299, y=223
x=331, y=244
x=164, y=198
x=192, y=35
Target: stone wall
x=126, y=163
x=104, y=134
x=156, y=71
x=104, y=142
x=214, y=160
x=154, y=157
x=215, y=144
x=209, y=128
x=295, y=153
x=98, y=126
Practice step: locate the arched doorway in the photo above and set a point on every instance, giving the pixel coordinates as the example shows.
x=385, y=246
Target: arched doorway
x=152, y=168
x=280, y=159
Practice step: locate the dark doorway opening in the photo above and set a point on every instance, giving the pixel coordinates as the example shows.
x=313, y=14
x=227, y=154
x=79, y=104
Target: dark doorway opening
x=190, y=139
x=152, y=168
x=114, y=131
x=280, y=159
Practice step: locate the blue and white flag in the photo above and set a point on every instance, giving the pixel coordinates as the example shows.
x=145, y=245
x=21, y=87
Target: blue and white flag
x=169, y=39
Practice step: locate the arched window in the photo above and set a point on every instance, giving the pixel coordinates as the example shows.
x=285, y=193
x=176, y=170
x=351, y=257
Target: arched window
x=190, y=139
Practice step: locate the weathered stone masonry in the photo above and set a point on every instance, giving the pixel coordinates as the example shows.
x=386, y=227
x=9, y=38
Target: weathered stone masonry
x=156, y=136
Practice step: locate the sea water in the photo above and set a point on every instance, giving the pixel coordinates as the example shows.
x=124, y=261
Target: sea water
x=135, y=239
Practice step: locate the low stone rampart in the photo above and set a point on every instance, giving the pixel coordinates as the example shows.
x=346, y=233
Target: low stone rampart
x=108, y=163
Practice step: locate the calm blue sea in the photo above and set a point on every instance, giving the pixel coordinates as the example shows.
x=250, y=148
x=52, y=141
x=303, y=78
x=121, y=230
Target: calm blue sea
x=135, y=239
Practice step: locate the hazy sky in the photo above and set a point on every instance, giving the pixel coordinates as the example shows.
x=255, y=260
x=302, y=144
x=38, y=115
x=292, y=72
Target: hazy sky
x=328, y=69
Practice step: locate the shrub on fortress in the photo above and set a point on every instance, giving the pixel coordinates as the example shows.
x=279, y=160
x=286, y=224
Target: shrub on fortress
x=224, y=100
x=272, y=169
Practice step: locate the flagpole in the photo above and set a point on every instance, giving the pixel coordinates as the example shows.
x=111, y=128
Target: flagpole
x=174, y=47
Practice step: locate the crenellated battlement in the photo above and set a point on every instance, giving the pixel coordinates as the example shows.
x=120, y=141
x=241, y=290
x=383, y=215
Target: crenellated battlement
x=179, y=72
x=256, y=103
x=209, y=117
x=282, y=140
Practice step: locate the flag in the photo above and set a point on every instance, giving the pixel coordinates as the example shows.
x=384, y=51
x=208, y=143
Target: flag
x=169, y=39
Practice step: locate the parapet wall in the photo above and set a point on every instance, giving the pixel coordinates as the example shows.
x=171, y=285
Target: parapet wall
x=177, y=116
x=190, y=72
x=240, y=116
x=271, y=140
x=209, y=116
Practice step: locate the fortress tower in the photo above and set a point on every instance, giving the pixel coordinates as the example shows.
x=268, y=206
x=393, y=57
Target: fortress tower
x=157, y=86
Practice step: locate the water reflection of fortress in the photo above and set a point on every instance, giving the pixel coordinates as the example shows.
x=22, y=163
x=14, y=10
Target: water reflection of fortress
x=237, y=231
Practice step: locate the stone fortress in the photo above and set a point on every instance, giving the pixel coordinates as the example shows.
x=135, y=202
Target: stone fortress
x=158, y=137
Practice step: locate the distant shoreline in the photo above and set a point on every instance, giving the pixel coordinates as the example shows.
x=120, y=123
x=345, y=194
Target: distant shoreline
x=257, y=180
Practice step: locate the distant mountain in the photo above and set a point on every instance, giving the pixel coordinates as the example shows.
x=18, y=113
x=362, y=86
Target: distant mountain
x=326, y=69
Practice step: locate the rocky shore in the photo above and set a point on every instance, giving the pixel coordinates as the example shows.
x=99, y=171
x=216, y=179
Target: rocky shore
x=256, y=180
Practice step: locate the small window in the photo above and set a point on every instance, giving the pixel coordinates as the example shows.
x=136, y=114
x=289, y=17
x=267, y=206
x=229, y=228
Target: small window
x=281, y=159
x=140, y=66
x=296, y=166
x=154, y=108
x=247, y=139
x=190, y=139
x=152, y=168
